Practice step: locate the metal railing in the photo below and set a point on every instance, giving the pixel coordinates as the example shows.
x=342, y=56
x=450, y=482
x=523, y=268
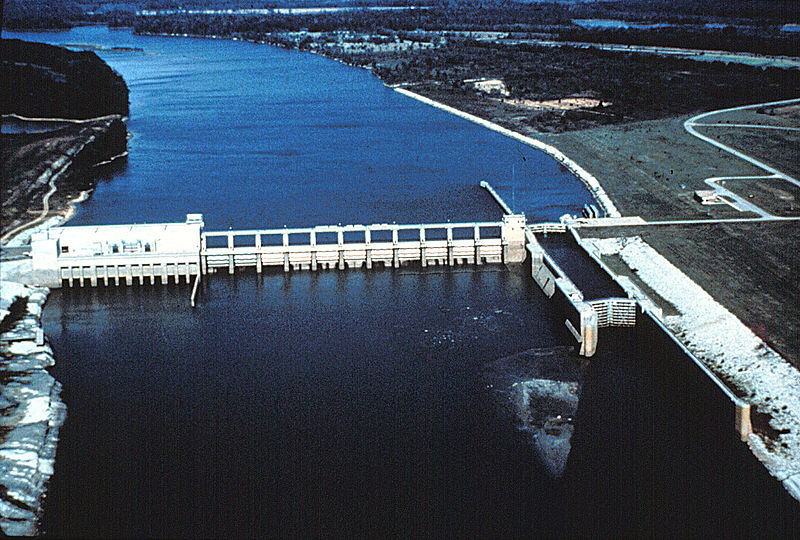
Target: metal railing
x=544, y=228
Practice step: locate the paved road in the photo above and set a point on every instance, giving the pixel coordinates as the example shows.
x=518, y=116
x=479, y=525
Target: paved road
x=690, y=124
x=45, y=209
x=601, y=223
x=751, y=126
x=741, y=203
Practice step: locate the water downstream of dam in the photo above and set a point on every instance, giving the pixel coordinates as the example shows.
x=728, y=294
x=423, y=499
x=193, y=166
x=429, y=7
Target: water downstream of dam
x=328, y=403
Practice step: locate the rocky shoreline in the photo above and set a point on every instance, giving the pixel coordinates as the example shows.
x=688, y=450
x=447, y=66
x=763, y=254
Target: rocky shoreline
x=45, y=173
x=31, y=410
x=732, y=351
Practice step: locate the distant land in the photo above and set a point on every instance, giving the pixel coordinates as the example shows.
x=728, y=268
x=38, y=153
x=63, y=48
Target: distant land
x=538, y=55
x=545, y=70
x=618, y=113
x=41, y=80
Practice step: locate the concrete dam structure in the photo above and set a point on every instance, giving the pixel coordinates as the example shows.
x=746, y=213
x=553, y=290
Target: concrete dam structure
x=124, y=254
x=174, y=252
x=364, y=246
x=117, y=254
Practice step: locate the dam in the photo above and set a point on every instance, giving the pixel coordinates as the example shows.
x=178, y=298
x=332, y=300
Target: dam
x=264, y=410
x=122, y=254
x=173, y=252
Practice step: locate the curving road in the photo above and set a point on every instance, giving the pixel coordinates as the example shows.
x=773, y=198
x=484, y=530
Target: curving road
x=690, y=124
x=743, y=204
x=45, y=209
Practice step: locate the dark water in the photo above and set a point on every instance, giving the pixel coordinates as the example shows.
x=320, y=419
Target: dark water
x=328, y=403
x=13, y=125
x=579, y=267
x=331, y=403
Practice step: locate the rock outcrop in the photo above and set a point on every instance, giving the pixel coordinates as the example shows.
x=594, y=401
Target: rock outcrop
x=31, y=410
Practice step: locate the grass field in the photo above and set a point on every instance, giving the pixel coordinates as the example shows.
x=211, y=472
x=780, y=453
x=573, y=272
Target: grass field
x=775, y=195
x=750, y=268
x=651, y=169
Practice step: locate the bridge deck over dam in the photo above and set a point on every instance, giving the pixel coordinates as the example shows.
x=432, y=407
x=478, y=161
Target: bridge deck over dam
x=364, y=246
x=124, y=254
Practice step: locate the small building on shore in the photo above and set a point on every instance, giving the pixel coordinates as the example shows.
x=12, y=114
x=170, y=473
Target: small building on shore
x=707, y=196
x=490, y=86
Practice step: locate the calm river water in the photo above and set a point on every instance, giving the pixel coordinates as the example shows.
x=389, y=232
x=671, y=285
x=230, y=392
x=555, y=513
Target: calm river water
x=326, y=403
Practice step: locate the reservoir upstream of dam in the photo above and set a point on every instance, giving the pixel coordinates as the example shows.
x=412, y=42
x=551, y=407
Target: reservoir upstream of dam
x=329, y=403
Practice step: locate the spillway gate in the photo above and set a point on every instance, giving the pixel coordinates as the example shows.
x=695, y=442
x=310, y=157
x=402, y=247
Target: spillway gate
x=363, y=246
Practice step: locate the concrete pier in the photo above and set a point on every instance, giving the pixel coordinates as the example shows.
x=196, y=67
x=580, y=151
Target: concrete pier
x=496, y=196
x=583, y=319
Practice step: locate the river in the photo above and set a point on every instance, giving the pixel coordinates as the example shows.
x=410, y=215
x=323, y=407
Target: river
x=303, y=403
x=255, y=136
x=346, y=403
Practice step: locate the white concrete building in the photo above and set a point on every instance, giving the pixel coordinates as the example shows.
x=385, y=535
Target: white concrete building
x=118, y=252
x=490, y=86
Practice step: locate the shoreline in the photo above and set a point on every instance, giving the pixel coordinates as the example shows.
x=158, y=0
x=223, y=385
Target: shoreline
x=697, y=339
x=33, y=410
x=592, y=184
x=16, y=116
x=71, y=162
x=733, y=354
x=56, y=219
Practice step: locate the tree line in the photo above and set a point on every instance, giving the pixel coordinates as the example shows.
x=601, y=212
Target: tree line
x=41, y=80
x=754, y=39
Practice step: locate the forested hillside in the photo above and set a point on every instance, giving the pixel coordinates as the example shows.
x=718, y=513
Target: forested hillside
x=41, y=80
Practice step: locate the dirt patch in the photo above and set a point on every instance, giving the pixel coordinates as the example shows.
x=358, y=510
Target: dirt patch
x=565, y=104
x=761, y=425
